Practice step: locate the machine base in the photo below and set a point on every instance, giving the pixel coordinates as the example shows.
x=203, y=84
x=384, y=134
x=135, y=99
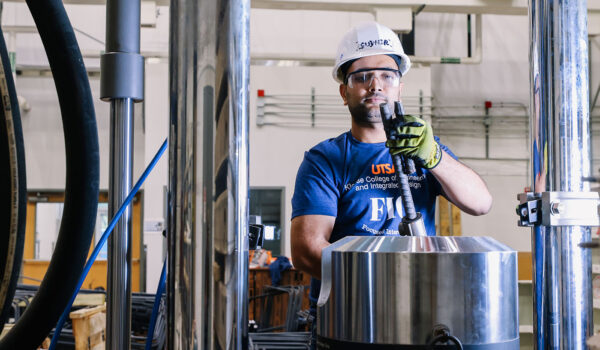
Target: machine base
x=326, y=344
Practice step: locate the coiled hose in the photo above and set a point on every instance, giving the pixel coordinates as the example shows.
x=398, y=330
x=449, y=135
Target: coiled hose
x=13, y=194
x=82, y=177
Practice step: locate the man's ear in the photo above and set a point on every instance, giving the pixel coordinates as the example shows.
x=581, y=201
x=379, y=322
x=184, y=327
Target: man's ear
x=343, y=88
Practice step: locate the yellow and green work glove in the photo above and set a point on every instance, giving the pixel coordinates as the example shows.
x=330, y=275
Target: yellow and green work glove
x=415, y=140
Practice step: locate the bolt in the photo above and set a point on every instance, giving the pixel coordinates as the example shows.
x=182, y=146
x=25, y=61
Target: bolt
x=523, y=212
x=556, y=208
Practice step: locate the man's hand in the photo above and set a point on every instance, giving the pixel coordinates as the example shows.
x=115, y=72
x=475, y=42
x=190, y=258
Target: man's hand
x=414, y=139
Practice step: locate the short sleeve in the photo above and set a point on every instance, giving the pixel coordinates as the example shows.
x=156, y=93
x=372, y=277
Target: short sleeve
x=315, y=192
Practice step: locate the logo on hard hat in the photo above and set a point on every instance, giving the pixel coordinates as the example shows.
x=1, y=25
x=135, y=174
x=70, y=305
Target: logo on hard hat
x=377, y=42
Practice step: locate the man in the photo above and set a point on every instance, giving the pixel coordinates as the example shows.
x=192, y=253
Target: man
x=345, y=186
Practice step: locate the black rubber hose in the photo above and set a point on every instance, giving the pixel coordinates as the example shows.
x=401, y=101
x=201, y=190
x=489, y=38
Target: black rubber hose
x=13, y=194
x=82, y=177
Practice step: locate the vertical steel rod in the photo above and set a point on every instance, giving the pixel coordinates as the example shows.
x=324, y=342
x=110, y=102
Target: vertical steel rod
x=119, y=244
x=560, y=159
x=122, y=81
x=238, y=63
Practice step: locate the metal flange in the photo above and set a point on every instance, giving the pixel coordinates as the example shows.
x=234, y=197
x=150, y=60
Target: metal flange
x=558, y=209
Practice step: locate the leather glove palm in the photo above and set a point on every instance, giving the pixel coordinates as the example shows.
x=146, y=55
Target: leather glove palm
x=414, y=139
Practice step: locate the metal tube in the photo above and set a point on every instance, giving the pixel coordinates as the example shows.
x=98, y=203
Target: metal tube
x=560, y=159
x=119, y=245
x=182, y=299
x=122, y=20
x=122, y=81
x=238, y=66
x=208, y=176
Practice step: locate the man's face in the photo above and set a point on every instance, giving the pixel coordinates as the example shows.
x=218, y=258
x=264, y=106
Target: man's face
x=363, y=100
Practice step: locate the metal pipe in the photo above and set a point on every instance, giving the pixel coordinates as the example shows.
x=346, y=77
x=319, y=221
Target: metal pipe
x=560, y=158
x=208, y=176
x=238, y=68
x=122, y=82
x=119, y=245
x=182, y=205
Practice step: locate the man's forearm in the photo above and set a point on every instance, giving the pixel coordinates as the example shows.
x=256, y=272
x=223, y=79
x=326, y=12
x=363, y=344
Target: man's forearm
x=463, y=186
x=309, y=235
x=309, y=261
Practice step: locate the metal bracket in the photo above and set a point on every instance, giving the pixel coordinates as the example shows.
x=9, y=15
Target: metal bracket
x=558, y=209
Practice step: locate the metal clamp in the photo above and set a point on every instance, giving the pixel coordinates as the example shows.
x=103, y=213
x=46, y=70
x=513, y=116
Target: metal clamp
x=558, y=209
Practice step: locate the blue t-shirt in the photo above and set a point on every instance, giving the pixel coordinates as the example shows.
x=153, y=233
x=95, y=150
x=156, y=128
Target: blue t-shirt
x=355, y=182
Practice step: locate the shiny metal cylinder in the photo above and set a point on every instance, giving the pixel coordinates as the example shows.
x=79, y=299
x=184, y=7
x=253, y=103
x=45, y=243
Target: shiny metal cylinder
x=208, y=177
x=560, y=159
x=184, y=211
x=118, y=303
x=394, y=290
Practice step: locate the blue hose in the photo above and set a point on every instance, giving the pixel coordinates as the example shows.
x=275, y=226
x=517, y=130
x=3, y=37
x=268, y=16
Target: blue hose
x=102, y=241
x=159, y=292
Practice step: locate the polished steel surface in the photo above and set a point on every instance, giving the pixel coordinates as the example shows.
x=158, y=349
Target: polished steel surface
x=118, y=296
x=208, y=176
x=560, y=158
x=230, y=207
x=393, y=290
x=185, y=224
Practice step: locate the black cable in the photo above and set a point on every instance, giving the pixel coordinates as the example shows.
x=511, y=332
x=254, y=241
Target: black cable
x=13, y=194
x=82, y=177
x=444, y=338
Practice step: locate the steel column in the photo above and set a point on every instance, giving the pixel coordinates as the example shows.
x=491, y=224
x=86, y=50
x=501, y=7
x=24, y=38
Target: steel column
x=208, y=176
x=122, y=81
x=119, y=244
x=560, y=159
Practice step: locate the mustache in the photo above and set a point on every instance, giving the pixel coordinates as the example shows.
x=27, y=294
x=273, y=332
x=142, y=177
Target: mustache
x=376, y=95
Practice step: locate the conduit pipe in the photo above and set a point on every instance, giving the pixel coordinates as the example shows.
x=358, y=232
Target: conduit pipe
x=560, y=160
x=82, y=178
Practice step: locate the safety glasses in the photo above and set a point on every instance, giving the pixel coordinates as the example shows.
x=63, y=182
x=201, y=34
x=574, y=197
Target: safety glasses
x=363, y=78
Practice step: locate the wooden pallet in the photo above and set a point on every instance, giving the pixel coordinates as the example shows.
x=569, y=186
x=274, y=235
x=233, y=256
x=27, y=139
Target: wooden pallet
x=89, y=328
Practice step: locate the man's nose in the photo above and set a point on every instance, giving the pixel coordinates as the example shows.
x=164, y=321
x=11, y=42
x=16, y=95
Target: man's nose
x=375, y=84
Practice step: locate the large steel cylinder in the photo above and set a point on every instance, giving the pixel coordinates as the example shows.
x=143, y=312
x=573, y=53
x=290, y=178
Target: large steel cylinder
x=384, y=292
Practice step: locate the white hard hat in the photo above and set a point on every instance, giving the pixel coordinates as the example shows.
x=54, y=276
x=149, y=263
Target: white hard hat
x=369, y=39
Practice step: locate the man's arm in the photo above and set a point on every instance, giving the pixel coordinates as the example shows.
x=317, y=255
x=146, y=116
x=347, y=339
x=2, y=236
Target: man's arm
x=310, y=234
x=462, y=186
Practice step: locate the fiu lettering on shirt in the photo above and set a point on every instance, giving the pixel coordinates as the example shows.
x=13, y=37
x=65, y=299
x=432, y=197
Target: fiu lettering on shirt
x=388, y=207
x=385, y=205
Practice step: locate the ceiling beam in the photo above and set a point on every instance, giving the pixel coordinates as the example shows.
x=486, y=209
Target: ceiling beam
x=501, y=7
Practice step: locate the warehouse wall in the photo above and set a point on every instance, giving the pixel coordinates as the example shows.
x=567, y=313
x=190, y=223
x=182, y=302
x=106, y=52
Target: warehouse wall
x=42, y=125
x=276, y=151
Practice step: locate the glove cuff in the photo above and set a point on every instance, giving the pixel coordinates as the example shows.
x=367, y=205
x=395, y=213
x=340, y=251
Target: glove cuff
x=434, y=158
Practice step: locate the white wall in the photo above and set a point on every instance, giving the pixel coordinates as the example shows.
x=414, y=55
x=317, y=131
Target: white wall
x=42, y=126
x=275, y=151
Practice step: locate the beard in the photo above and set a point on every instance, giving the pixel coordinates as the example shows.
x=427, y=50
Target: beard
x=366, y=114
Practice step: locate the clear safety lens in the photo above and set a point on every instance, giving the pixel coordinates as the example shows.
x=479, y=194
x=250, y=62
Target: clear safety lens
x=364, y=78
